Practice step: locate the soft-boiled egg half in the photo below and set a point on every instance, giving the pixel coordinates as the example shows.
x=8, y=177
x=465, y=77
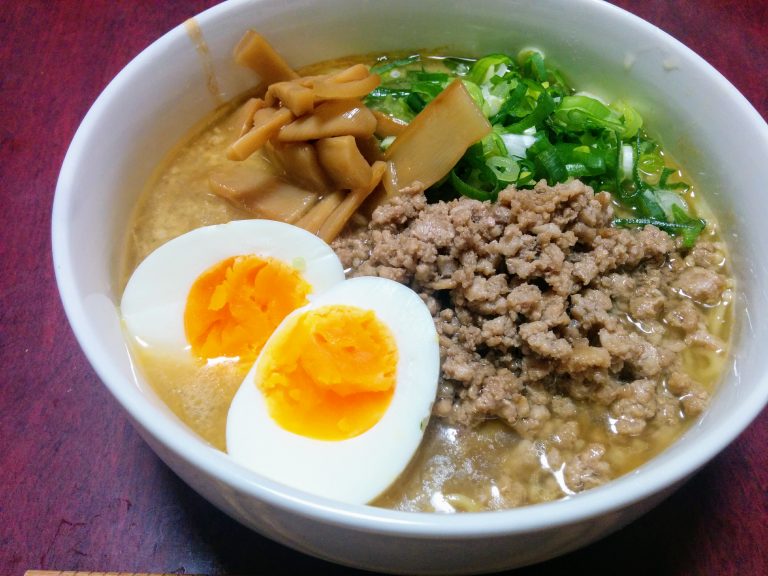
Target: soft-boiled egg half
x=338, y=399
x=342, y=373
x=218, y=292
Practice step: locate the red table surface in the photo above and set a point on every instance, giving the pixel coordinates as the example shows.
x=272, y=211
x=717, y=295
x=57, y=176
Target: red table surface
x=79, y=490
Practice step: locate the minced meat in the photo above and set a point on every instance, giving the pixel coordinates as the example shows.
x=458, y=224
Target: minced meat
x=540, y=304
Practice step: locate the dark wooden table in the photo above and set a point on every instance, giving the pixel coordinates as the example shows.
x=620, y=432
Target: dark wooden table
x=79, y=490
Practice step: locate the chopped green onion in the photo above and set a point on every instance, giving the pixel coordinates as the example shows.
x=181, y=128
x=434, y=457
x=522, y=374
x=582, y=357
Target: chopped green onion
x=544, y=107
x=630, y=118
x=385, y=67
x=626, y=163
x=689, y=230
x=482, y=70
x=505, y=168
x=517, y=144
x=542, y=129
x=580, y=113
x=470, y=190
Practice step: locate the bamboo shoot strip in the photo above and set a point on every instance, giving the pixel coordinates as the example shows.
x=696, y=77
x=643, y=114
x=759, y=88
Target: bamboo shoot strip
x=262, y=194
x=336, y=221
x=343, y=162
x=314, y=219
x=257, y=54
x=266, y=123
x=298, y=162
x=435, y=140
x=331, y=118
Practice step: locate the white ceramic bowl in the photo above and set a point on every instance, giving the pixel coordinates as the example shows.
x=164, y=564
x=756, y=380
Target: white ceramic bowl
x=699, y=116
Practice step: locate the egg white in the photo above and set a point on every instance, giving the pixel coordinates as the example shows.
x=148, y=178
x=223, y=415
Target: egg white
x=358, y=469
x=154, y=299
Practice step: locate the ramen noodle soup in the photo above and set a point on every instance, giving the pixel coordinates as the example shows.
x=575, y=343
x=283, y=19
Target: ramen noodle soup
x=583, y=321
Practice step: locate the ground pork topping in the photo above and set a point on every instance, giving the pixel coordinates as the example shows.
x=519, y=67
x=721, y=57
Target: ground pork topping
x=540, y=305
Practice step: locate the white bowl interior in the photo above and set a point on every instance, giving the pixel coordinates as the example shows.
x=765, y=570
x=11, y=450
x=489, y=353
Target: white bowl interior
x=701, y=119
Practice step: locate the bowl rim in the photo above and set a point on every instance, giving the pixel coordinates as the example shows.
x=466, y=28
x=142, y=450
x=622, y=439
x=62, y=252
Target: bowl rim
x=614, y=495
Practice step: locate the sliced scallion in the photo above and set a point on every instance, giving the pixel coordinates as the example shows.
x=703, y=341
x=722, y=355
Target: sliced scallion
x=542, y=129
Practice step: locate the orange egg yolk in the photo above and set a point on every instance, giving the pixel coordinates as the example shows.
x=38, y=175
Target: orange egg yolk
x=331, y=373
x=234, y=306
